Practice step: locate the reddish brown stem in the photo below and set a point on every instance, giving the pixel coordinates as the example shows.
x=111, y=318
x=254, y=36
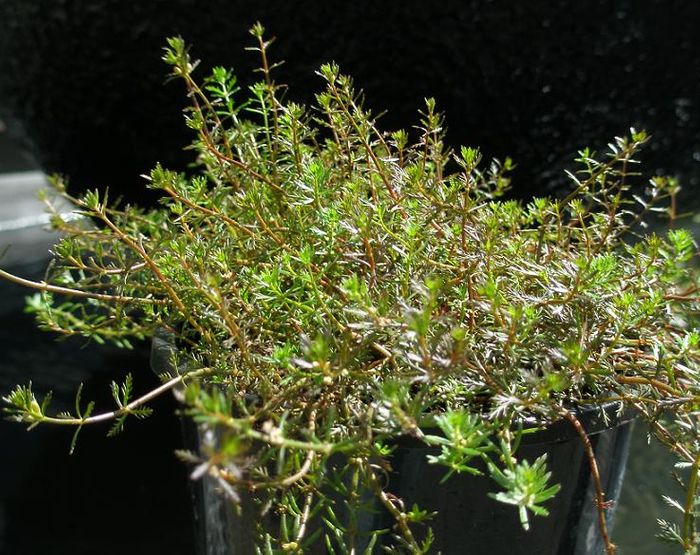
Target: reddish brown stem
x=601, y=504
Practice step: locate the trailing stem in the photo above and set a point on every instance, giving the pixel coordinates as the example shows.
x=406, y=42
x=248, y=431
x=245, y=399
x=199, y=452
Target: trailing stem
x=601, y=504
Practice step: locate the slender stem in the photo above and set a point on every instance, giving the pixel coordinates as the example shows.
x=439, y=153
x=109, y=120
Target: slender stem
x=274, y=438
x=370, y=259
x=691, y=299
x=209, y=212
x=271, y=96
x=303, y=471
x=239, y=164
x=398, y=515
x=667, y=438
x=43, y=286
x=123, y=237
x=370, y=151
x=308, y=461
x=641, y=380
x=126, y=409
x=601, y=505
x=689, y=509
x=305, y=516
x=279, y=441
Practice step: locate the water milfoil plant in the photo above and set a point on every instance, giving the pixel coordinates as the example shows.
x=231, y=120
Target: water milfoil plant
x=330, y=287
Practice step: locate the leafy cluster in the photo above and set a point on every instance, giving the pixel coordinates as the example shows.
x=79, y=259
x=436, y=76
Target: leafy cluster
x=331, y=286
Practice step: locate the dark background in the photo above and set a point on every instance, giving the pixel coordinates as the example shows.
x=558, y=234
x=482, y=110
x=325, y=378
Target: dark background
x=534, y=80
x=82, y=89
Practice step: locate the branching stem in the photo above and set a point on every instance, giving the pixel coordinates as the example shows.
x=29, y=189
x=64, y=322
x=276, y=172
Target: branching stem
x=43, y=286
x=126, y=409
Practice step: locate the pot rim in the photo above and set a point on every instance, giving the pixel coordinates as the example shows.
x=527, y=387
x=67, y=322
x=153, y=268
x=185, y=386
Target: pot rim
x=595, y=418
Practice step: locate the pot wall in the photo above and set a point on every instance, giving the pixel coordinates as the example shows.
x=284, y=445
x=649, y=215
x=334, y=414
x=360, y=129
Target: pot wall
x=468, y=520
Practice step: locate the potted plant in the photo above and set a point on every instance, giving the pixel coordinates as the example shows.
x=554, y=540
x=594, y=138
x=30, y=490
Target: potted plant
x=331, y=297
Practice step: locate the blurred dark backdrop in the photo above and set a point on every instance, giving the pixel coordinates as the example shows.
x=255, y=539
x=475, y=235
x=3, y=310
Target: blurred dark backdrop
x=533, y=80
x=125, y=494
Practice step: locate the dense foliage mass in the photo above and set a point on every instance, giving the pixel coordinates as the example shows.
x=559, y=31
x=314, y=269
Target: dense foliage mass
x=331, y=286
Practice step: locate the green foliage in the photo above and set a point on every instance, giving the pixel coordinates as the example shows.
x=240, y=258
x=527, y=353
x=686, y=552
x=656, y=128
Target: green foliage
x=122, y=396
x=331, y=287
x=465, y=436
x=526, y=486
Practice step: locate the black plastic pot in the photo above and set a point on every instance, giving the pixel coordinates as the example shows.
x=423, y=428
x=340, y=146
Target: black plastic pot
x=468, y=520
x=471, y=522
